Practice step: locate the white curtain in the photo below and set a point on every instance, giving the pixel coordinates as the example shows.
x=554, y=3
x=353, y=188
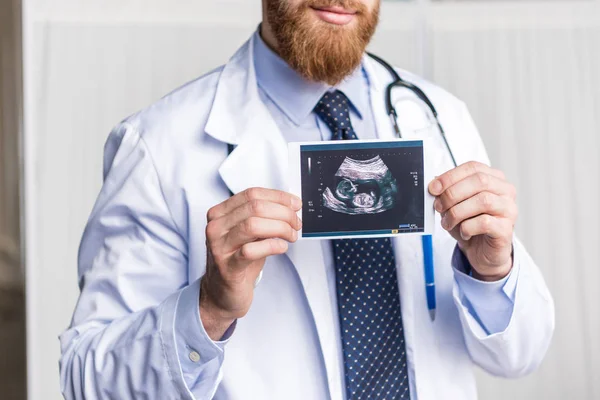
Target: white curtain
x=528, y=71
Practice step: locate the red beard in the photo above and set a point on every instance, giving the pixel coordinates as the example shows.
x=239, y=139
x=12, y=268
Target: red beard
x=317, y=50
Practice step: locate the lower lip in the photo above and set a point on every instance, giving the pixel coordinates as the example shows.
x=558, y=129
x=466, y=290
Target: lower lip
x=333, y=17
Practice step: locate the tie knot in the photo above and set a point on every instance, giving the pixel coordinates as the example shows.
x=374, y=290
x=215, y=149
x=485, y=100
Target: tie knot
x=334, y=110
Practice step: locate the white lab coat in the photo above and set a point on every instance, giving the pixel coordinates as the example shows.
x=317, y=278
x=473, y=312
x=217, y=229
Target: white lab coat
x=287, y=346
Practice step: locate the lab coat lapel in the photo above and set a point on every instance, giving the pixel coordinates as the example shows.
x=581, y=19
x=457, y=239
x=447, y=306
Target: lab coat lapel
x=239, y=117
x=260, y=159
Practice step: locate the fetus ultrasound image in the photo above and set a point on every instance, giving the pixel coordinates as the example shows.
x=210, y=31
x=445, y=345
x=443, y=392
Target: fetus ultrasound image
x=358, y=188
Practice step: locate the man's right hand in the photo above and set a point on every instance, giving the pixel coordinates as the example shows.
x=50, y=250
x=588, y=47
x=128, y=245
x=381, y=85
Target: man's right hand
x=241, y=233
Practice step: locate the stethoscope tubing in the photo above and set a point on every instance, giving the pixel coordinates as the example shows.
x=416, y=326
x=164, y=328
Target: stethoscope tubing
x=391, y=110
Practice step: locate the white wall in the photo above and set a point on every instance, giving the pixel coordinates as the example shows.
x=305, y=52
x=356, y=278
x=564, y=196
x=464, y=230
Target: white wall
x=528, y=71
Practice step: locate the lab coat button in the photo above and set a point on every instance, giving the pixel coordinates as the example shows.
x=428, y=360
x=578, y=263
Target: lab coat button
x=194, y=356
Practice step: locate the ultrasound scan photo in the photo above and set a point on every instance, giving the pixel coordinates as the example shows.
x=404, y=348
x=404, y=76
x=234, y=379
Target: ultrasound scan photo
x=362, y=188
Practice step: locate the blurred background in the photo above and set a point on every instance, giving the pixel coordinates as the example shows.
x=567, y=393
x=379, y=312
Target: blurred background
x=71, y=69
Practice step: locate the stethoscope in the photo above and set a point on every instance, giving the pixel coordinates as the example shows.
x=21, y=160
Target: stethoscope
x=427, y=240
x=391, y=111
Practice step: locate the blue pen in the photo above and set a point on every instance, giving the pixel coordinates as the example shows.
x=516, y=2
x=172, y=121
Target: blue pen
x=429, y=274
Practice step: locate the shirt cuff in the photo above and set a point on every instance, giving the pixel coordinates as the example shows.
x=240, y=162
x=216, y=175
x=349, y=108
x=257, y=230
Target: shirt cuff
x=490, y=303
x=198, y=354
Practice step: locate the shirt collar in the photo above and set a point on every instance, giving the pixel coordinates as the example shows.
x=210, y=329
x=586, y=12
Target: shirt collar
x=279, y=80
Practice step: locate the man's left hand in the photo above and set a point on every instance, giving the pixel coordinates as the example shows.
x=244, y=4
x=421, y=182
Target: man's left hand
x=479, y=210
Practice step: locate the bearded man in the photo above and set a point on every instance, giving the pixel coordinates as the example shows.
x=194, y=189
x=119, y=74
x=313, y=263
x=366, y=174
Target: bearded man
x=194, y=286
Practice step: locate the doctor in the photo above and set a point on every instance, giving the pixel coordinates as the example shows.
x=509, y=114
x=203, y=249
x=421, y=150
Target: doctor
x=190, y=293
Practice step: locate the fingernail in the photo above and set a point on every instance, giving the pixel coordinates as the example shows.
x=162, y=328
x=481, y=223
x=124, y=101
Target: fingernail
x=437, y=205
x=435, y=187
x=464, y=236
x=299, y=222
x=444, y=222
x=296, y=203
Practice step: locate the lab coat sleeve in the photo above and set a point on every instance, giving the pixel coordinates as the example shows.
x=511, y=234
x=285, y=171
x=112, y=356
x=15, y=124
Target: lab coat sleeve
x=519, y=348
x=136, y=330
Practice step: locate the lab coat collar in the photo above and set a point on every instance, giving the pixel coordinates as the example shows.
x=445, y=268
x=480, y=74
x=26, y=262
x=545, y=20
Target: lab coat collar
x=238, y=117
x=237, y=84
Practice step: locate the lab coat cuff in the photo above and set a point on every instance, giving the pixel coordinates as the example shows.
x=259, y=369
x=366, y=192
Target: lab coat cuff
x=489, y=303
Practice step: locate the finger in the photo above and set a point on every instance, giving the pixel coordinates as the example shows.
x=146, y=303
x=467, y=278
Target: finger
x=469, y=187
x=494, y=227
x=482, y=203
x=455, y=175
x=275, y=196
x=259, y=208
x=256, y=228
x=258, y=250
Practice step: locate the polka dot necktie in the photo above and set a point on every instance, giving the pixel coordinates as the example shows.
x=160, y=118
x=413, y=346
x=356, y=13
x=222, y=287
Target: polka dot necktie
x=367, y=294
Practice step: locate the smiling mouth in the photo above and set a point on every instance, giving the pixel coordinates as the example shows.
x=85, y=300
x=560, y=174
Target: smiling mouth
x=335, y=15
